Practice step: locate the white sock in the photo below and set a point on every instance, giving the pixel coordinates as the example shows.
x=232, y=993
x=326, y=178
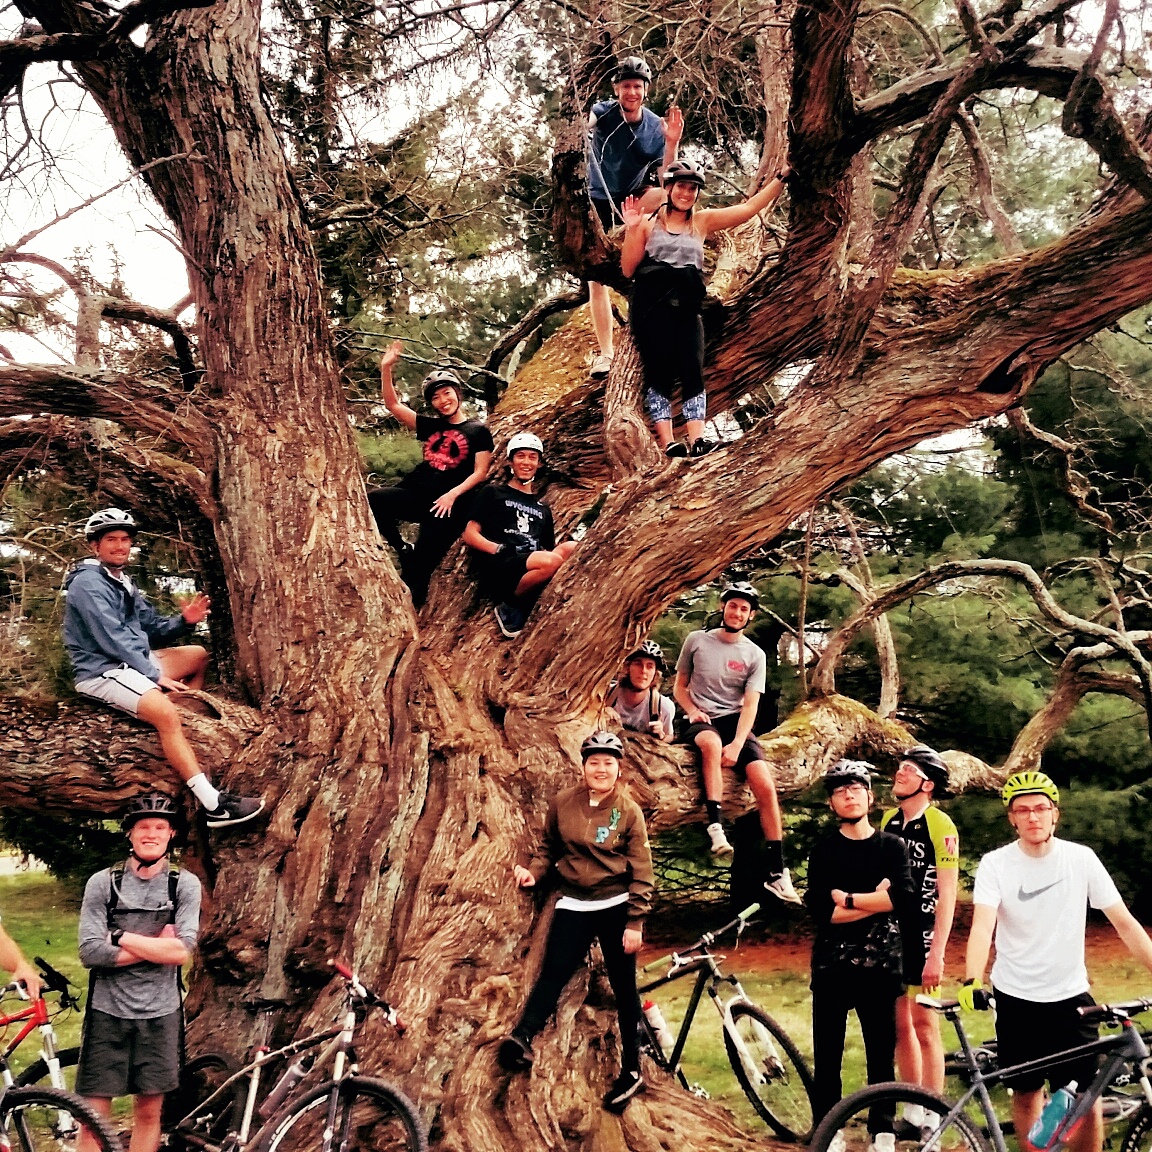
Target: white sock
x=204, y=792
x=931, y=1120
x=914, y=1114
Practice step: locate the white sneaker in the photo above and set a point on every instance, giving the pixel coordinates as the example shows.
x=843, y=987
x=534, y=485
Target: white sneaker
x=928, y=1124
x=837, y=1143
x=914, y=1115
x=781, y=887
x=883, y=1142
x=601, y=366
x=720, y=845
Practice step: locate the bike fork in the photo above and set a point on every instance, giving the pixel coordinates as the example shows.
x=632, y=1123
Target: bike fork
x=732, y=1032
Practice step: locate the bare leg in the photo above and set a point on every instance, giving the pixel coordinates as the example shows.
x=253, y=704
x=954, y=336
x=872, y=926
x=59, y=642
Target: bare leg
x=187, y=664
x=694, y=429
x=146, y=1123
x=1089, y=1137
x=600, y=305
x=102, y=1105
x=907, y=1046
x=663, y=430
x=542, y=566
x=157, y=709
x=926, y=1023
x=711, y=747
x=1026, y=1108
x=764, y=789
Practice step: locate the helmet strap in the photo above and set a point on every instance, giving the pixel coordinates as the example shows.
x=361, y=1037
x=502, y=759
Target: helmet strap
x=146, y=863
x=855, y=820
x=726, y=627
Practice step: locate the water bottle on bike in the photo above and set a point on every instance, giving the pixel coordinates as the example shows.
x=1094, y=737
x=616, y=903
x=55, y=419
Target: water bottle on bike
x=1049, y=1127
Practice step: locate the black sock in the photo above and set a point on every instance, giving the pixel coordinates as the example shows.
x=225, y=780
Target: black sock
x=712, y=807
x=774, y=856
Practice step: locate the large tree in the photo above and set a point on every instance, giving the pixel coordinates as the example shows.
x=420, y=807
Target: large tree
x=409, y=759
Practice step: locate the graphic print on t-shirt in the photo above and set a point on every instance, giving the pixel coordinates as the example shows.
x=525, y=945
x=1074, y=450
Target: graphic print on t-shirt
x=446, y=449
x=738, y=667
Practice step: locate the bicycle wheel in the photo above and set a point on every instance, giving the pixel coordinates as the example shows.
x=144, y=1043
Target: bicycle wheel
x=199, y=1078
x=37, y=1071
x=47, y=1120
x=771, y=1071
x=1138, y=1137
x=874, y=1108
x=371, y=1116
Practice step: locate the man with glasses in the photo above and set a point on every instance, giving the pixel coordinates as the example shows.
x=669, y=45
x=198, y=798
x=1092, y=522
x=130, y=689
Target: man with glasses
x=858, y=885
x=934, y=857
x=1032, y=897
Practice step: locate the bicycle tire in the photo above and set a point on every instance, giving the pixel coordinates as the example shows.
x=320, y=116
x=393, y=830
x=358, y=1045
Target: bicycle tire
x=1138, y=1136
x=199, y=1078
x=779, y=1084
x=37, y=1071
x=850, y=1119
x=32, y=1119
x=372, y=1116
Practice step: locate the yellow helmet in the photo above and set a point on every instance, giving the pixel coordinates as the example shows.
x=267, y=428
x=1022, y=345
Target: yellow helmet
x=1027, y=784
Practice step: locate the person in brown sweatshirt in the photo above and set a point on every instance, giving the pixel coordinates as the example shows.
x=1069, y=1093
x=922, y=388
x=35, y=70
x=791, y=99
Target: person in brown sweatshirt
x=596, y=841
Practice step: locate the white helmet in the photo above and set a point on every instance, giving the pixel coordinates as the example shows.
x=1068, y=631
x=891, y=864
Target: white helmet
x=109, y=520
x=525, y=440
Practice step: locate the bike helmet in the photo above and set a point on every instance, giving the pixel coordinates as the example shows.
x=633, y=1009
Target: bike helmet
x=442, y=378
x=632, y=68
x=686, y=171
x=1029, y=783
x=109, y=520
x=931, y=763
x=742, y=590
x=145, y=807
x=650, y=649
x=848, y=772
x=602, y=741
x=525, y=440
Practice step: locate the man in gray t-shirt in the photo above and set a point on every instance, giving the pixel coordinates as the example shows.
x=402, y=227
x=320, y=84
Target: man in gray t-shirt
x=719, y=682
x=138, y=926
x=635, y=697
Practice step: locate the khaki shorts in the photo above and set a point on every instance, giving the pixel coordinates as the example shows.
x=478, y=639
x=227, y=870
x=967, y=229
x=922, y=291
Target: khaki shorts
x=121, y=687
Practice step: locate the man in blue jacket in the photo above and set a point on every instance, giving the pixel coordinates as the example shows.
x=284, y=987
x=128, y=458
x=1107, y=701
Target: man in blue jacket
x=109, y=630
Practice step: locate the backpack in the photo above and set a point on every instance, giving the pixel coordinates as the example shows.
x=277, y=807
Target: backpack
x=115, y=879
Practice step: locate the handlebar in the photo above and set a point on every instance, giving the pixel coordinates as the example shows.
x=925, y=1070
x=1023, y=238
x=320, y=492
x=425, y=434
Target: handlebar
x=1116, y=1013
x=366, y=996
x=706, y=941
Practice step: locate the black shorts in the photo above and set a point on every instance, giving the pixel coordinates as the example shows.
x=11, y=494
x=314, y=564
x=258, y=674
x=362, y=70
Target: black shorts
x=499, y=575
x=725, y=727
x=1027, y=1030
x=129, y=1057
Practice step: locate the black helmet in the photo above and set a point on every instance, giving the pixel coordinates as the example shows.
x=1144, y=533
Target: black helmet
x=684, y=170
x=442, y=378
x=632, y=68
x=602, y=741
x=109, y=520
x=744, y=591
x=650, y=649
x=931, y=763
x=848, y=772
x=154, y=804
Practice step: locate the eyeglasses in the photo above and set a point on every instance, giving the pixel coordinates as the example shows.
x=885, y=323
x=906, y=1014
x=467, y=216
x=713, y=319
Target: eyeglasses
x=844, y=789
x=1039, y=810
x=908, y=766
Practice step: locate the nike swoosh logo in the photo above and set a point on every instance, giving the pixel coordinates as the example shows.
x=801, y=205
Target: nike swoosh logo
x=1022, y=895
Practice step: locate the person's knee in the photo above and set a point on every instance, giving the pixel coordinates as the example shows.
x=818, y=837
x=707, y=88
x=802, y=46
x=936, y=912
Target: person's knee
x=760, y=780
x=147, y=1109
x=157, y=709
x=926, y=1027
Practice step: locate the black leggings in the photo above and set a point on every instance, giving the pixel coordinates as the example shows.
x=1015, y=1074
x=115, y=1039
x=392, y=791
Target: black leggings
x=391, y=506
x=664, y=316
x=570, y=937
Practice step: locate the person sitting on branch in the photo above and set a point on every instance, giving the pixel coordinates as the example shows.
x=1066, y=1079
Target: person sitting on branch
x=664, y=252
x=636, y=699
x=435, y=494
x=109, y=630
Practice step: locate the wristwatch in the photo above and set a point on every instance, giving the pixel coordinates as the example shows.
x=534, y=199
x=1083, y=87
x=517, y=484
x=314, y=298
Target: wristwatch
x=116, y=936
x=849, y=901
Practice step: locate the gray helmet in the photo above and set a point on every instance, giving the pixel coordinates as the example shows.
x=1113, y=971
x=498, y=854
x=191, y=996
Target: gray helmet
x=442, y=378
x=848, y=772
x=632, y=68
x=684, y=170
x=931, y=763
x=602, y=741
x=109, y=520
x=743, y=590
x=155, y=804
x=650, y=649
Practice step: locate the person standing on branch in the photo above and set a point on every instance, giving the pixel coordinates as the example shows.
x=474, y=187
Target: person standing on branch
x=628, y=146
x=109, y=630
x=934, y=857
x=664, y=251
x=596, y=842
x=635, y=698
x=513, y=537
x=858, y=886
x=719, y=681
x=138, y=926
x=1032, y=897
x=457, y=456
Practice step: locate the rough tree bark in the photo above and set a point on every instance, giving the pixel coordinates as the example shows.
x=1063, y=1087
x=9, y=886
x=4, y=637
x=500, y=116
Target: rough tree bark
x=408, y=760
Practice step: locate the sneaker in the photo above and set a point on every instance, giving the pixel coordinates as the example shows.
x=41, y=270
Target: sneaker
x=838, y=1143
x=234, y=810
x=676, y=450
x=701, y=447
x=720, y=845
x=883, y=1142
x=601, y=366
x=914, y=1114
x=510, y=619
x=515, y=1053
x=781, y=887
x=624, y=1087
x=928, y=1126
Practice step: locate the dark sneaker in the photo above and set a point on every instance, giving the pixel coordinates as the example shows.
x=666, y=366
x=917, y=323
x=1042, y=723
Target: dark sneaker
x=677, y=450
x=510, y=619
x=701, y=447
x=234, y=810
x=515, y=1053
x=624, y=1087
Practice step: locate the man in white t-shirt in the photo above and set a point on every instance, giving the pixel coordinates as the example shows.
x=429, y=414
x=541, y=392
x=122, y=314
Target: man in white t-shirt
x=1032, y=896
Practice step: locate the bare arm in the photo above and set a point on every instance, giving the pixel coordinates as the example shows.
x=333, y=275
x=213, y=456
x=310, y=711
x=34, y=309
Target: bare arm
x=388, y=393
x=475, y=539
x=719, y=219
x=12, y=960
x=637, y=229
x=979, y=941
x=683, y=697
x=864, y=904
x=1131, y=931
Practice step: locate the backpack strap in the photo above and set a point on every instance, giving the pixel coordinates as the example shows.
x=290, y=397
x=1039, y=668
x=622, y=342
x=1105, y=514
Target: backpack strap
x=653, y=704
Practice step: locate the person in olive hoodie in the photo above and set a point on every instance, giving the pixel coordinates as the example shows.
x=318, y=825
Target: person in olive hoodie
x=596, y=841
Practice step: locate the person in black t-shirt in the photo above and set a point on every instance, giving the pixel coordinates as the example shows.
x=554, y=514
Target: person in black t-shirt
x=859, y=884
x=513, y=538
x=457, y=456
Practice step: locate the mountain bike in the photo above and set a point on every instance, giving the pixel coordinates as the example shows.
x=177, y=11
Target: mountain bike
x=38, y=1014
x=768, y=1066
x=847, y=1126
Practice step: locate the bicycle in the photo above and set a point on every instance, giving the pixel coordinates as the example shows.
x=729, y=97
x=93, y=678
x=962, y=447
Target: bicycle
x=53, y=1060
x=847, y=1127
x=345, y=1113
x=768, y=1066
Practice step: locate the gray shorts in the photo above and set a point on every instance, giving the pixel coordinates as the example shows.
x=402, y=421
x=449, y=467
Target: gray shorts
x=121, y=687
x=129, y=1057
